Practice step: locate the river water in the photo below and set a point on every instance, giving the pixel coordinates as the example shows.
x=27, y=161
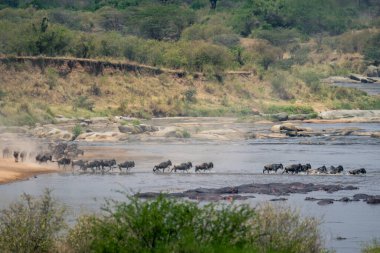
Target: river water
x=236, y=163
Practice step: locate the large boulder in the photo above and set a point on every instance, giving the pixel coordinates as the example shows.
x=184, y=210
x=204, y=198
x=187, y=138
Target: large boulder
x=52, y=133
x=102, y=137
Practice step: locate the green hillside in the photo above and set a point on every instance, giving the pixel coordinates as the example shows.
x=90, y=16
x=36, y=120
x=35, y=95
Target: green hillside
x=287, y=45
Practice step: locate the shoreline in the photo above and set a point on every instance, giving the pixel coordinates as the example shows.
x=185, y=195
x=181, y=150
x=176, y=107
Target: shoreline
x=12, y=172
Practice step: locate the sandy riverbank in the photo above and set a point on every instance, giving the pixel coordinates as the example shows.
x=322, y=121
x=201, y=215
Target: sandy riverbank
x=11, y=171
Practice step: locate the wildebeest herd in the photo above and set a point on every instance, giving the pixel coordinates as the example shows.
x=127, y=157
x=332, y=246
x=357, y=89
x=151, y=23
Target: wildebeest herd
x=64, y=155
x=306, y=168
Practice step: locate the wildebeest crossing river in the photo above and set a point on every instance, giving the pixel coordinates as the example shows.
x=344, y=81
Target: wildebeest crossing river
x=235, y=163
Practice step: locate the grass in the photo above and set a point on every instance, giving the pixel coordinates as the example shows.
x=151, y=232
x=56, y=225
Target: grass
x=373, y=247
x=290, y=109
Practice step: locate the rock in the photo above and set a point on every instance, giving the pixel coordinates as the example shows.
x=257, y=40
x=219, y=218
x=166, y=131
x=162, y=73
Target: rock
x=278, y=199
x=373, y=71
x=341, y=114
x=255, y=111
x=299, y=116
x=361, y=78
x=126, y=129
x=375, y=135
x=361, y=196
x=345, y=199
x=52, y=133
x=282, y=116
x=339, y=238
x=276, y=129
x=102, y=136
x=325, y=202
x=374, y=200
x=288, y=127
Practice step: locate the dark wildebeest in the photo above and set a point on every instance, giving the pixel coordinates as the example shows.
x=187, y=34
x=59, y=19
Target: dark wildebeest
x=16, y=155
x=127, y=165
x=79, y=163
x=94, y=165
x=357, y=171
x=6, y=152
x=336, y=170
x=273, y=166
x=204, y=167
x=108, y=163
x=183, y=167
x=305, y=167
x=43, y=158
x=322, y=169
x=294, y=168
x=23, y=156
x=63, y=161
x=162, y=166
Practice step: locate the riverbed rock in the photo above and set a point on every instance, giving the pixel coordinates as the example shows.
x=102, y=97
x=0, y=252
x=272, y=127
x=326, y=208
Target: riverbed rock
x=374, y=200
x=52, y=133
x=342, y=114
x=282, y=116
x=325, y=202
x=361, y=78
x=102, y=137
x=375, y=134
x=137, y=129
x=373, y=71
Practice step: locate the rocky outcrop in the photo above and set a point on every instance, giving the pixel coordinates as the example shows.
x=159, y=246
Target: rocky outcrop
x=292, y=130
x=373, y=71
x=102, y=137
x=341, y=114
x=361, y=78
x=137, y=129
x=276, y=189
x=52, y=133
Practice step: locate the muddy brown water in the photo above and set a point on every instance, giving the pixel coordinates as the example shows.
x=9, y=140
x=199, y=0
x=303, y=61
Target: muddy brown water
x=236, y=163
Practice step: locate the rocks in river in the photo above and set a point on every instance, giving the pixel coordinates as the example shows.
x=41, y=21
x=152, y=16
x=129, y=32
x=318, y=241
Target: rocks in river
x=361, y=78
x=52, y=133
x=292, y=130
x=341, y=114
x=325, y=202
x=137, y=129
x=102, y=136
x=373, y=200
x=282, y=116
x=278, y=199
x=375, y=134
x=228, y=193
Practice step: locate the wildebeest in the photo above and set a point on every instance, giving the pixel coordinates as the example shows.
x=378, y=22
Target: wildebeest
x=336, y=170
x=273, y=166
x=305, y=167
x=93, y=165
x=6, y=152
x=162, y=166
x=127, y=165
x=79, y=163
x=294, y=168
x=63, y=161
x=43, y=158
x=16, y=155
x=204, y=166
x=23, y=156
x=183, y=167
x=357, y=171
x=108, y=163
x=322, y=169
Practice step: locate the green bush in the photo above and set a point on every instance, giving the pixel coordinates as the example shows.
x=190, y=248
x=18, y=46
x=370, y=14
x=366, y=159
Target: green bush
x=76, y=131
x=31, y=224
x=169, y=225
x=290, y=109
x=84, y=103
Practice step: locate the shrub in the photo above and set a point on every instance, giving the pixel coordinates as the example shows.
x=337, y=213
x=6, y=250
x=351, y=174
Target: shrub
x=84, y=103
x=31, y=224
x=190, y=95
x=169, y=225
x=373, y=247
x=76, y=131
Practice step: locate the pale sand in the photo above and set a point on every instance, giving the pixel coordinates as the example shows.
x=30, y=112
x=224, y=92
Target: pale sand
x=11, y=171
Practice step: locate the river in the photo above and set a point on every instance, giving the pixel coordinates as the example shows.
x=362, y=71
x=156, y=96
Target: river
x=236, y=162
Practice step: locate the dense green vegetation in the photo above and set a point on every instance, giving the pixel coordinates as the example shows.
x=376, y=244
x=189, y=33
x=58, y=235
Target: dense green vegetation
x=289, y=46
x=181, y=34
x=159, y=225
